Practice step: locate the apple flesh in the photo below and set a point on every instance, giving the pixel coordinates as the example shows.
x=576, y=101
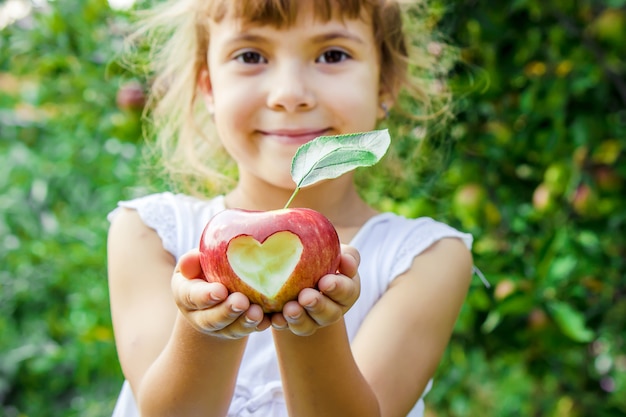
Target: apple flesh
x=269, y=256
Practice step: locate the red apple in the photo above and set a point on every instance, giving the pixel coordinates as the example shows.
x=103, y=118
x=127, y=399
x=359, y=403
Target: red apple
x=585, y=200
x=607, y=178
x=131, y=96
x=269, y=256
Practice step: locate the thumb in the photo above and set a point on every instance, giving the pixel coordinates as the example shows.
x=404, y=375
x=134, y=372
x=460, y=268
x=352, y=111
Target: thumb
x=350, y=259
x=189, y=265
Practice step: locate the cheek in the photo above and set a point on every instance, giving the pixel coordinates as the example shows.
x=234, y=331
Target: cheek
x=234, y=106
x=361, y=111
x=357, y=99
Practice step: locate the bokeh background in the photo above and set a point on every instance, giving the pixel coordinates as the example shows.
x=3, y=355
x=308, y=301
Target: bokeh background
x=535, y=169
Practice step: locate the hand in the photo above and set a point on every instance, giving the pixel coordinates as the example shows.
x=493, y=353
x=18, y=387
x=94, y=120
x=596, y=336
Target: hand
x=207, y=305
x=316, y=308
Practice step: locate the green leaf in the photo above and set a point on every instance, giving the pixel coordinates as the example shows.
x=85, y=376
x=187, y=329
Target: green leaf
x=571, y=322
x=329, y=157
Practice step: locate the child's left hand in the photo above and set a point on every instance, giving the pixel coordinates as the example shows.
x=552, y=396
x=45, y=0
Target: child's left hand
x=316, y=308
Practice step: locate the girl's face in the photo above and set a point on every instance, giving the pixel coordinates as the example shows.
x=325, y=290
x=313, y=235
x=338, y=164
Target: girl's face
x=271, y=90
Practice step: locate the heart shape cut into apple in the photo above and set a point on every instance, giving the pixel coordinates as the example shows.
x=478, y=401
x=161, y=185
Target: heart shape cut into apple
x=269, y=256
x=265, y=266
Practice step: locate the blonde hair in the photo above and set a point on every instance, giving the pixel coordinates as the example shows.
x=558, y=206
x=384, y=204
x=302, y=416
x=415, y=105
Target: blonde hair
x=176, y=37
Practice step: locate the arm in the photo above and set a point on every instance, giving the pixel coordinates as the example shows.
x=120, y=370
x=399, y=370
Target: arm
x=395, y=352
x=319, y=373
x=401, y=341
x=173, y=365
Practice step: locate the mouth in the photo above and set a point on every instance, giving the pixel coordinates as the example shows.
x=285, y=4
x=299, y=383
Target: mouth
x=293, y=136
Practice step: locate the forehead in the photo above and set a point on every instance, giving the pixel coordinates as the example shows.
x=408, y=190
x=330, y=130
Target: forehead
x=284, y=13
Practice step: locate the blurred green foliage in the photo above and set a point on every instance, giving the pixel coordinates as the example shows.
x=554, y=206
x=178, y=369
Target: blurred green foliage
x=536, y=172
x=67, y=153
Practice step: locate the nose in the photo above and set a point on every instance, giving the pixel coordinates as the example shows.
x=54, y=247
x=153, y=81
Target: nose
x=290, y=88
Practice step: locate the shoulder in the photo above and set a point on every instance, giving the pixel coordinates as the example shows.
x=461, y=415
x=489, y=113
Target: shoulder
x=157, y=207
x=130, y=237
x=447, y=259
x=393, y=241
x=128, y=234
x=177, y=219
x=436, y=259
x=425, y=230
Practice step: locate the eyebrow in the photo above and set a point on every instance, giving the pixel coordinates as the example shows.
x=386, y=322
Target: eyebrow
x=247, y=37
x=324, y=37
x=339, y=34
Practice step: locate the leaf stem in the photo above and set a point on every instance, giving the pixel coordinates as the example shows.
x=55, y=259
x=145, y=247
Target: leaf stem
x=295, y=192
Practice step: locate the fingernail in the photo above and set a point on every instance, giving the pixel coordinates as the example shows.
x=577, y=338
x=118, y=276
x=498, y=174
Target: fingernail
x=312, y=304
x=214, y=297
x=277, y=327
x=294, y=316
x=237, y=309
x=331, y=287
x=250, y=321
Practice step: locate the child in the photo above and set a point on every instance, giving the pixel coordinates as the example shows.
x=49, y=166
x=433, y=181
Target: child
x=272, y=75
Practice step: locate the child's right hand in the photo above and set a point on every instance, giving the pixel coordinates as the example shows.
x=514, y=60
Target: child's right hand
x=207, y=305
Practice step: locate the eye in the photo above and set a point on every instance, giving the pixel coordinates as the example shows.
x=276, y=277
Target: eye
x=250, y=57
x=333, y=56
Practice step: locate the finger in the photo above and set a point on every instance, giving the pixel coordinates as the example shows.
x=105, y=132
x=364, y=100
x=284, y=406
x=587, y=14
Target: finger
x=340, y=288
x=320, y=308
x=279, y=322
x=350, y=260
x=197, y=294
x=189, y=265
x=255, y=312
x=298, y=321
x=248, y=322
x=252, y=318
x=264, y=324
x=222, y=315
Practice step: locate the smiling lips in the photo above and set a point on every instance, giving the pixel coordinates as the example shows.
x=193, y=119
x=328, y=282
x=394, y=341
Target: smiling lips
x=293, y=137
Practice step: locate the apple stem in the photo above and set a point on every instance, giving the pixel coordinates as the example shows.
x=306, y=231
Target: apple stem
x=295, y=192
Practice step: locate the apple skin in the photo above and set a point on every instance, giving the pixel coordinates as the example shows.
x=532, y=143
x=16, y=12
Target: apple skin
x=320, y=250
x=131, y=96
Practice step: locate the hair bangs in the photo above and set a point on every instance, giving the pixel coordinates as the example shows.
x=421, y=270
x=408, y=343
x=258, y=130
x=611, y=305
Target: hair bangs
x=283, y=13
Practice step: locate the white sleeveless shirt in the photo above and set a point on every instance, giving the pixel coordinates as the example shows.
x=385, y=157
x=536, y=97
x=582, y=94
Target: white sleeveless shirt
x=387, y=243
